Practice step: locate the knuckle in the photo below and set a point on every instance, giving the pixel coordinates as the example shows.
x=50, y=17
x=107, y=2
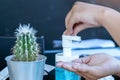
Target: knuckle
x=76, y=3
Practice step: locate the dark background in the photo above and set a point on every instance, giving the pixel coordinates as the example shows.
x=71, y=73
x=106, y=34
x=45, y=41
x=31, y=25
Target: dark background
x=46, y=16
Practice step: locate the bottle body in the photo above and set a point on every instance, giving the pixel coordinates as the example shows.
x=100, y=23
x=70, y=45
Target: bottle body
x=62, y=74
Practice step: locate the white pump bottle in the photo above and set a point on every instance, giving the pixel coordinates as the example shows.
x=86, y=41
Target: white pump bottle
x=67, y=44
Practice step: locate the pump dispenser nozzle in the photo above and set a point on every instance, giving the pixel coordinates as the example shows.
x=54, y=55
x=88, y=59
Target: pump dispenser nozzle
x=67, y=43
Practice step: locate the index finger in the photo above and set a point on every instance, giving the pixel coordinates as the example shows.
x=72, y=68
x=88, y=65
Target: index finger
x=68, y=24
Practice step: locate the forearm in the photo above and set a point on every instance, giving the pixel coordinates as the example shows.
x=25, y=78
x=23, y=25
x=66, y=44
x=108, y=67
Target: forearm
x=118, y=74
x=110, y=19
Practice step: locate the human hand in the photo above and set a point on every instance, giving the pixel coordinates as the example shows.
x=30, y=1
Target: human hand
x=82, y=16
x=93, y=67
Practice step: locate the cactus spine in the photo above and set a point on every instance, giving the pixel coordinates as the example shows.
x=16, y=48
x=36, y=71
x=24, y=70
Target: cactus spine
x=26, y=47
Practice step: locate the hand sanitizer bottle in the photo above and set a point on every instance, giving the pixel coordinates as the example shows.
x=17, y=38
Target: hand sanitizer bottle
x=67, y=56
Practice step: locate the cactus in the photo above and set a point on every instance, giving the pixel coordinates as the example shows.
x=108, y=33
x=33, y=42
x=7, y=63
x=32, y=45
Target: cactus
x=26, y=47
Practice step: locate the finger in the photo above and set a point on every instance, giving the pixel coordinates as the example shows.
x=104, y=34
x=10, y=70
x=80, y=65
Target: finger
x=70, y=24
x=65, y=65
x=77, y=28
x=75, y=25
x=68, y=66
x=84, y=60
x=59, y=64
x=67, y=18
x=86, y=75
x=81, y=68
x=77, y=61
x=66, y=32
x=69, y=31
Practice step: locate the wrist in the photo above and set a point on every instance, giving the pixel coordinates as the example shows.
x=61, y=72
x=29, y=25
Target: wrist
x=102, y=15
x=106, y=16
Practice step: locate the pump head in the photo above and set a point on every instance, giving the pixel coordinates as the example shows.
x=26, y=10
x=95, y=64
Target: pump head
x=67, y=44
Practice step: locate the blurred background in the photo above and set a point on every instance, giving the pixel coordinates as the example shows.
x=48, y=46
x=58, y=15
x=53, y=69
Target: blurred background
x=47, y=17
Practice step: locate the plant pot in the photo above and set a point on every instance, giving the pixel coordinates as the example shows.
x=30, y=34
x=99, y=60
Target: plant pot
x=19, y=70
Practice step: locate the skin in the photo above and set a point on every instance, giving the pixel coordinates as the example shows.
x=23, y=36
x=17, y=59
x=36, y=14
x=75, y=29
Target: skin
x=93, y=67
x=83, y=16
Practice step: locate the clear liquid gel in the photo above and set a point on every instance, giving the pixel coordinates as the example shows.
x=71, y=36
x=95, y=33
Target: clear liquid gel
x=62, y=74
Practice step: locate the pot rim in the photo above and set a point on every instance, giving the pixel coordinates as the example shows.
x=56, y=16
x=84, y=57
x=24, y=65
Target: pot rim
x=9, y=58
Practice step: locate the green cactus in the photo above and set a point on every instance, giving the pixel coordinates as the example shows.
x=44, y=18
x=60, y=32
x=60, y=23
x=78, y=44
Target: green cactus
x=26, y=47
